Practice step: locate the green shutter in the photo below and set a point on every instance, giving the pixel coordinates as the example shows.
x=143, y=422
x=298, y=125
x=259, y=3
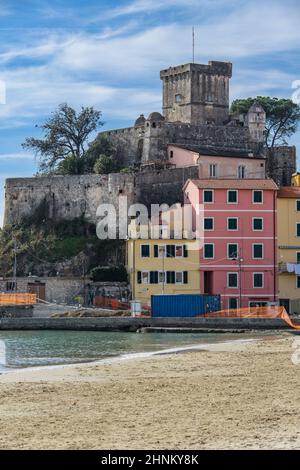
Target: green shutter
x=185, y=277
x=168, y=277
x=185, y=251
x=139, y=277
x=155, y=251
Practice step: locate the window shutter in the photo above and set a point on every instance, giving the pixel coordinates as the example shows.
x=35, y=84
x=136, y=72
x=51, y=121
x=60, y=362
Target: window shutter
x=151, y=277
x=155, y=251
x=185, y=251
x=168, y=251
x=139, y=277
x=172, y=277
x=185, y=277
x=155, y=275
x=168, y=277
x=172, y=251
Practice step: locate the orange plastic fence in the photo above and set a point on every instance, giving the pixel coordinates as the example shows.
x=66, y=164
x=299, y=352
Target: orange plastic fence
x=255, y=312
x=17, y=299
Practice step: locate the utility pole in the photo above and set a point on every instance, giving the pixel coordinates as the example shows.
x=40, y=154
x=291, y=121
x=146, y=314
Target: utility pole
x=163, y=271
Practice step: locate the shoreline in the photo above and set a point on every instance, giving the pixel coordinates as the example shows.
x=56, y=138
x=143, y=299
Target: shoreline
x=132, y=356
x=236, y=395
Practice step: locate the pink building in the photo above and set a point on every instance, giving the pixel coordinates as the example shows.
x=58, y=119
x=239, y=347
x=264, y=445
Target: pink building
x=217, y=164
x=238, y=259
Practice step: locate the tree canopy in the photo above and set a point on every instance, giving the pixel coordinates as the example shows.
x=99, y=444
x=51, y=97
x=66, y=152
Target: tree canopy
x=282, y=117
x=65, y=140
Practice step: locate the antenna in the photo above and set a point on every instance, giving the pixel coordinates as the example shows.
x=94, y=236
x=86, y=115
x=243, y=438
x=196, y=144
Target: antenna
x=193, y=45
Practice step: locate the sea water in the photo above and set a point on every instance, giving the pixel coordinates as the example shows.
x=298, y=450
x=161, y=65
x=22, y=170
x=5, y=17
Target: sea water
x=19, y=349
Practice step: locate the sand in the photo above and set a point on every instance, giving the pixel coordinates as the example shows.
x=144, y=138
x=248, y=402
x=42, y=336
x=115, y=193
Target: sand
x=230, y=396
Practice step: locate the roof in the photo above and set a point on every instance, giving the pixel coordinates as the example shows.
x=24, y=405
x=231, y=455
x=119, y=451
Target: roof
x=140, y=120
x=220, y=152
x=266, y=184
x=155, y=116
x=289, y=192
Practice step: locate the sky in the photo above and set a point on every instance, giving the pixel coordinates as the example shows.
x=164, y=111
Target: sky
x=108, y=54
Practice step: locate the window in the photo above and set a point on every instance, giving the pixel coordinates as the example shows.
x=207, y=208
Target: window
x=161, y=277
x=171, y=154
x=170, y=276
x=233, y=302
x=232, y=280
x=257, y=251
x=145, y=251
x=257, y=224
x=232, y=196
x=257, y=197
x=178, y=98
x=212, y=170
x=153, y=277
x=258, y=280
x=208, y=250
x=298, y=282
x=143, y=277
x=232, y=250
x=298, y=230
x=179, y=278
x=298, y=205
x=161, y=251
x=241, y=171
x=179, y=251
x=298, y=257
x=208, y=223
x=232, y=223
x=208, y=196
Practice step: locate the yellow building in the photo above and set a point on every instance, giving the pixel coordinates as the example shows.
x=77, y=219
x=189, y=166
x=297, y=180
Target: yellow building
x=162, y=267
x=288, y=233
x=296, y=179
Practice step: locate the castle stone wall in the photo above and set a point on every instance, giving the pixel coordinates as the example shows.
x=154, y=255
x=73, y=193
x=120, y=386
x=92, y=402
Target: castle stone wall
x=66, y=197
x=74, y=196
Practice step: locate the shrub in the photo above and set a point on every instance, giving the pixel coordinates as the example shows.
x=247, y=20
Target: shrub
x=109, y=273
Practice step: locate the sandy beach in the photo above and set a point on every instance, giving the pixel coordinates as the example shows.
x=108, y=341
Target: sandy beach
x=238, y=395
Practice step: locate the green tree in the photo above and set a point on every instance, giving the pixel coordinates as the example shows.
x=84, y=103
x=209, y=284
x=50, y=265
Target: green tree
x=105, y=164
x=66, y=135
x=100, y=146
x=282, y=117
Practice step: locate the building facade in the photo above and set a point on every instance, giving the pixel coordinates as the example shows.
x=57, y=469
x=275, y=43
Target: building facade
x=289, y=248
x=217, y=164
x=162, y=266
x=238, y=259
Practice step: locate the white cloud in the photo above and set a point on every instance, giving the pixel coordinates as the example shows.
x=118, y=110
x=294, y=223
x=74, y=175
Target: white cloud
x=16, y=156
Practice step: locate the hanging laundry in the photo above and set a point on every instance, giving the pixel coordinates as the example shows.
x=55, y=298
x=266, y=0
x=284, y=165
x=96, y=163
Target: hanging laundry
x=297, y=269
x=290, y=267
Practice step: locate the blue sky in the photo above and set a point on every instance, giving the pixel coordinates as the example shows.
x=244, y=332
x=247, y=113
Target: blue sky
x=108, y=54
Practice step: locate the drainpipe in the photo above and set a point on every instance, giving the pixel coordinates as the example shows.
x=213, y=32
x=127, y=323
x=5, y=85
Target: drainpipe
x=274, y=245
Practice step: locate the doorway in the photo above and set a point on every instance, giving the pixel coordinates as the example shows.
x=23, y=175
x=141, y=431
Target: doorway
x=208, y=282
x=38, y=288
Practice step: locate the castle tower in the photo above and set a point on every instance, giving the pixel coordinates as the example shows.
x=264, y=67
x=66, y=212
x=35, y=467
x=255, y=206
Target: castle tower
x=256, y=121
x=197, y=94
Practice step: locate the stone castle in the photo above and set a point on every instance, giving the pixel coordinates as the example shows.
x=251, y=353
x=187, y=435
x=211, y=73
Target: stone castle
x=195, y=113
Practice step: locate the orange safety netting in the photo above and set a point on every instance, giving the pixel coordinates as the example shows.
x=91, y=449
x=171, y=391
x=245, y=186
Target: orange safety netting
x=255, y=312
x=17, y=299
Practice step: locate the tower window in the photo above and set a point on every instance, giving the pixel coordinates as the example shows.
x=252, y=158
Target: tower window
x=178, y=98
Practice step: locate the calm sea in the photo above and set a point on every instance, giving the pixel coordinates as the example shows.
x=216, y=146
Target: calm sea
x=20, y=349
